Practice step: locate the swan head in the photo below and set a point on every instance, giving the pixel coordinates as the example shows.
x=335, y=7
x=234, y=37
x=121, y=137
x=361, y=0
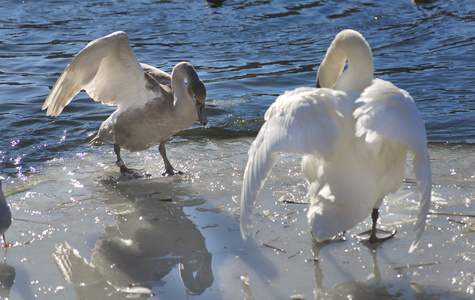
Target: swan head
x=348, y=46
x=195, y=88
x=199, y=95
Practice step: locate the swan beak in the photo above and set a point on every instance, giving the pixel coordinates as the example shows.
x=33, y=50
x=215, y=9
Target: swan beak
x=200, y=108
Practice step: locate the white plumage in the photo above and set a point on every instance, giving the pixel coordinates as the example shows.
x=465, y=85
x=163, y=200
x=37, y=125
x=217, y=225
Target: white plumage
x=354, y=140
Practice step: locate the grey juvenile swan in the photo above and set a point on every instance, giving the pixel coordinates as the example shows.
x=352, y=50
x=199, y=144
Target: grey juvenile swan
x=151, y=105
x=5, y=216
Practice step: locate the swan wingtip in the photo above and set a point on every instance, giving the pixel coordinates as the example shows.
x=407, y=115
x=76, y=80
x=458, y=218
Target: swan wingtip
x=244, y=225
x=244, y=235
x=413, y=247
x=244, y=230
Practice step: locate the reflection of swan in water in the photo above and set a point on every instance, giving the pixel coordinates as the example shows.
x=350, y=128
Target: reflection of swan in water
x=374, y=287
x=349, y=289
x=149, y=241
x=354, y=133
x=7, y=278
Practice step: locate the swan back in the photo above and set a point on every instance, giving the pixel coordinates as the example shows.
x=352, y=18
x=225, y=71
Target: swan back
x=351, y=46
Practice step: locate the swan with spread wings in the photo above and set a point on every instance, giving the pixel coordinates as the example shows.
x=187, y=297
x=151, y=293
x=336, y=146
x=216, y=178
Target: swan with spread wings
x=151, y=104
x=354, y=133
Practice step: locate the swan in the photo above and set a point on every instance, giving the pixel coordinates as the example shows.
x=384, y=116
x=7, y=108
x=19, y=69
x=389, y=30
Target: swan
x=354, y=133
x=151, y=105
x=5, y=216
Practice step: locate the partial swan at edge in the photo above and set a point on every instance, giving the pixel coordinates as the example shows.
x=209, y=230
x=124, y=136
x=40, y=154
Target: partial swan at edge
x=151, y=105
x=354, y=140
x=5, y=216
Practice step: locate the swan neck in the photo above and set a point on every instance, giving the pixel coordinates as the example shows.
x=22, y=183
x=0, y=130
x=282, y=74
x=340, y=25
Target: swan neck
x=350, y=46
x=180, y=88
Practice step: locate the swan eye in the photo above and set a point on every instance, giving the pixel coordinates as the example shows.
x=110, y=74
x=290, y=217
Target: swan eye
x=198, y=103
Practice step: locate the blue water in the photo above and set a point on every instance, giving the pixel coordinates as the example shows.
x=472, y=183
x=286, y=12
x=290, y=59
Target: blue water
x=246, y=52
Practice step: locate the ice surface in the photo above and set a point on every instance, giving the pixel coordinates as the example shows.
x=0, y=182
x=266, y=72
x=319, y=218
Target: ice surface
x=80, y=231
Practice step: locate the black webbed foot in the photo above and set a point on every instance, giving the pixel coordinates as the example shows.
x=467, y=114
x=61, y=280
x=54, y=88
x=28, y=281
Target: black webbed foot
x=131, y=173
x=172, y=172
x=375, y=236
x=126, y=172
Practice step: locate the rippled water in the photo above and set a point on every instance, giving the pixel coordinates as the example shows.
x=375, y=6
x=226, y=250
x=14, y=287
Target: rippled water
x=247, y=53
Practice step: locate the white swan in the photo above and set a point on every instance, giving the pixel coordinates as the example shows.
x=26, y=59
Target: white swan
x=5, y=216
x=151, y=105
x=354, y=140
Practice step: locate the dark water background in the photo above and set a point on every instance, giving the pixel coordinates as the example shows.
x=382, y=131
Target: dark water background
x=246, y=52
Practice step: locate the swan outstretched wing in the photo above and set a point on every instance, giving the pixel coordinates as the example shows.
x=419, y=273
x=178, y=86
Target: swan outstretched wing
x=303, y=121
x=389, y=113
x=107, y=69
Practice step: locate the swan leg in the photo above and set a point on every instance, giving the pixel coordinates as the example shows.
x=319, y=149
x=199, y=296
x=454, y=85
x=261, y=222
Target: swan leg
x=169, y=170
x=124, y=171
x=5, y=244
x=371, y=235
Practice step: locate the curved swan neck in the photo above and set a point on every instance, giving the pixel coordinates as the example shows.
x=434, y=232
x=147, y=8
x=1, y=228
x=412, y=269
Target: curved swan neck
x=181, y=71
x=348, y=45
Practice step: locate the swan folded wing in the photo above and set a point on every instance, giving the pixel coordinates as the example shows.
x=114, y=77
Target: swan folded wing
x=158, y=75
x=107, y=69
x=389, y=113
x=304, y=121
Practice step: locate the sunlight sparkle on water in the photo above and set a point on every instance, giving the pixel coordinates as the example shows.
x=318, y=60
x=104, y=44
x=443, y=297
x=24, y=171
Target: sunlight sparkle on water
x=76, y=183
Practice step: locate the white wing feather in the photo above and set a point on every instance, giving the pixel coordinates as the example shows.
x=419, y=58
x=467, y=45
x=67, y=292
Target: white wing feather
x=389, y=113
x=303, y=121
x=107, y=69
